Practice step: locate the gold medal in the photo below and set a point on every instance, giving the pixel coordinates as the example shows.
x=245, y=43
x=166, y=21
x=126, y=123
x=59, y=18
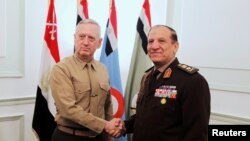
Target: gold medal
x=163, y=101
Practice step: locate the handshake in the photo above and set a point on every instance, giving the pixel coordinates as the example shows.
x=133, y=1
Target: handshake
x=115, y=127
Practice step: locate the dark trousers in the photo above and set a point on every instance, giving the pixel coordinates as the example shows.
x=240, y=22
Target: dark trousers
x=59, y=135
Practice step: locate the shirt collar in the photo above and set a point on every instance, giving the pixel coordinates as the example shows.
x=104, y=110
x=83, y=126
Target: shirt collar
x=84, y=64
x=162, y=68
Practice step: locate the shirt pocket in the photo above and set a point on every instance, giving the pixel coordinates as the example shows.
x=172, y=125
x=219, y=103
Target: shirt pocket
x=82, y=91
x=104, y=86
x=104, y=89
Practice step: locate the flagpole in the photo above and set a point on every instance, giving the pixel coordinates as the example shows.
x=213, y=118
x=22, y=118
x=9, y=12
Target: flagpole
x=77, y=5
x=110, y=4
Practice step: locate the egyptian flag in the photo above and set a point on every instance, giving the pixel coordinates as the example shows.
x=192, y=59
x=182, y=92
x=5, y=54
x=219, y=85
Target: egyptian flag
x=140, y=61
x=43, y=122
x=82, y=10
x=144, y=24
x=109, y=57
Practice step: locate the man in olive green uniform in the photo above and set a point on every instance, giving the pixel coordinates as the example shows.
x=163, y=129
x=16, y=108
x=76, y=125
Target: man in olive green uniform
x=81, y=90
x=173, y=103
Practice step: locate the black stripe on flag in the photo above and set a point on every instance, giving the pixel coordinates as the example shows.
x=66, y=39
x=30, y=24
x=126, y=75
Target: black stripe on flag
x=140, y=27
x=108, y=48
x=78, y=19
x=43, y=121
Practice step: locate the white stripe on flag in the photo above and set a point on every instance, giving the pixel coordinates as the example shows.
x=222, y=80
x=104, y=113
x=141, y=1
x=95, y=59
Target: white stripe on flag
x=46, y=66
x=111, y=36
x=82, y=9
x=145, y=21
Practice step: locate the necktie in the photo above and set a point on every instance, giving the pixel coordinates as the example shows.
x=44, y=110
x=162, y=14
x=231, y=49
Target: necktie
x=153, y=78
x=93, y=88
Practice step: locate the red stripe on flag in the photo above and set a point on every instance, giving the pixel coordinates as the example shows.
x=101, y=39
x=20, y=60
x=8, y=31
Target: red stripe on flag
x=84, y=4
x=50, y=35
x=146, y=7
x=113, y=17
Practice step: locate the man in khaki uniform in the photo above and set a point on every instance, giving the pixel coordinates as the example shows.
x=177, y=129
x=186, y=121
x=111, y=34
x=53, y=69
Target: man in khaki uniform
x=81, y=90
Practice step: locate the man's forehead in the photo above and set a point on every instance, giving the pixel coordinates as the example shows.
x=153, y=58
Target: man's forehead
x=159, y=29
x=159, y=33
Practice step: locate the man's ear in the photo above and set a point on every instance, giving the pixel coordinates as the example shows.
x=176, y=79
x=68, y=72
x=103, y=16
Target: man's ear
x=100, y=43
x=176, y=46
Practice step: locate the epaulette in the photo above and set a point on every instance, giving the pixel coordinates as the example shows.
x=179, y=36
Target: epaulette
x=188, y=69
x=149, y=69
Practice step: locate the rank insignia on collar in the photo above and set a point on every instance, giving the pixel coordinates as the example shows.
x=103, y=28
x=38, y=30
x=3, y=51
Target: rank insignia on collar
x=167, y=73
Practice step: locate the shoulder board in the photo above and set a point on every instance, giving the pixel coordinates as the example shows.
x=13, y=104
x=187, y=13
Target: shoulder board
x=188, y=69
x=149, y=69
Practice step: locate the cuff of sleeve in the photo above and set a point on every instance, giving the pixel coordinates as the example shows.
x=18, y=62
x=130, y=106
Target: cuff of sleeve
x=100, y=125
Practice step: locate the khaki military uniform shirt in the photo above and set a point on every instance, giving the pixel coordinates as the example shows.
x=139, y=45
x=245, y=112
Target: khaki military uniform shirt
x=81, y=94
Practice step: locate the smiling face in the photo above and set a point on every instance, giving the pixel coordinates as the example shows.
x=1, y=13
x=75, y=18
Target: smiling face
x=162, y=46
x=87, y=40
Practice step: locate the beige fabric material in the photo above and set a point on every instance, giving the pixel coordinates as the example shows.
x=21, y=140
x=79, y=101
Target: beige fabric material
x=81, y=94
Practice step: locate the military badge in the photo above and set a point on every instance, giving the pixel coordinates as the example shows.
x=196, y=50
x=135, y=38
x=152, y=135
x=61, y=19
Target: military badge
x=166, y=91
x=167, y=73
x=163, y=101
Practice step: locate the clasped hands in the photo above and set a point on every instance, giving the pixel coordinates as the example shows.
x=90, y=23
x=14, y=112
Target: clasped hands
x=115, y=127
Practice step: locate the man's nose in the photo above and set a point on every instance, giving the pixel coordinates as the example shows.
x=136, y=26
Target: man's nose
x=154, y=45
x=86, y=40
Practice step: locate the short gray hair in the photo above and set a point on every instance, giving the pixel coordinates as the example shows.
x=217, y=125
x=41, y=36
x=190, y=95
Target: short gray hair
x=90, y=21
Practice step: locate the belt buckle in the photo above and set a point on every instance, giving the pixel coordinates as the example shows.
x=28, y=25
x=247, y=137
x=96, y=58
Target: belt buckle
x=91, y=136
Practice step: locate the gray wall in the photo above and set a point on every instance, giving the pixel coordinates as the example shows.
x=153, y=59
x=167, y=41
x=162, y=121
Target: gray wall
x=214, y=36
